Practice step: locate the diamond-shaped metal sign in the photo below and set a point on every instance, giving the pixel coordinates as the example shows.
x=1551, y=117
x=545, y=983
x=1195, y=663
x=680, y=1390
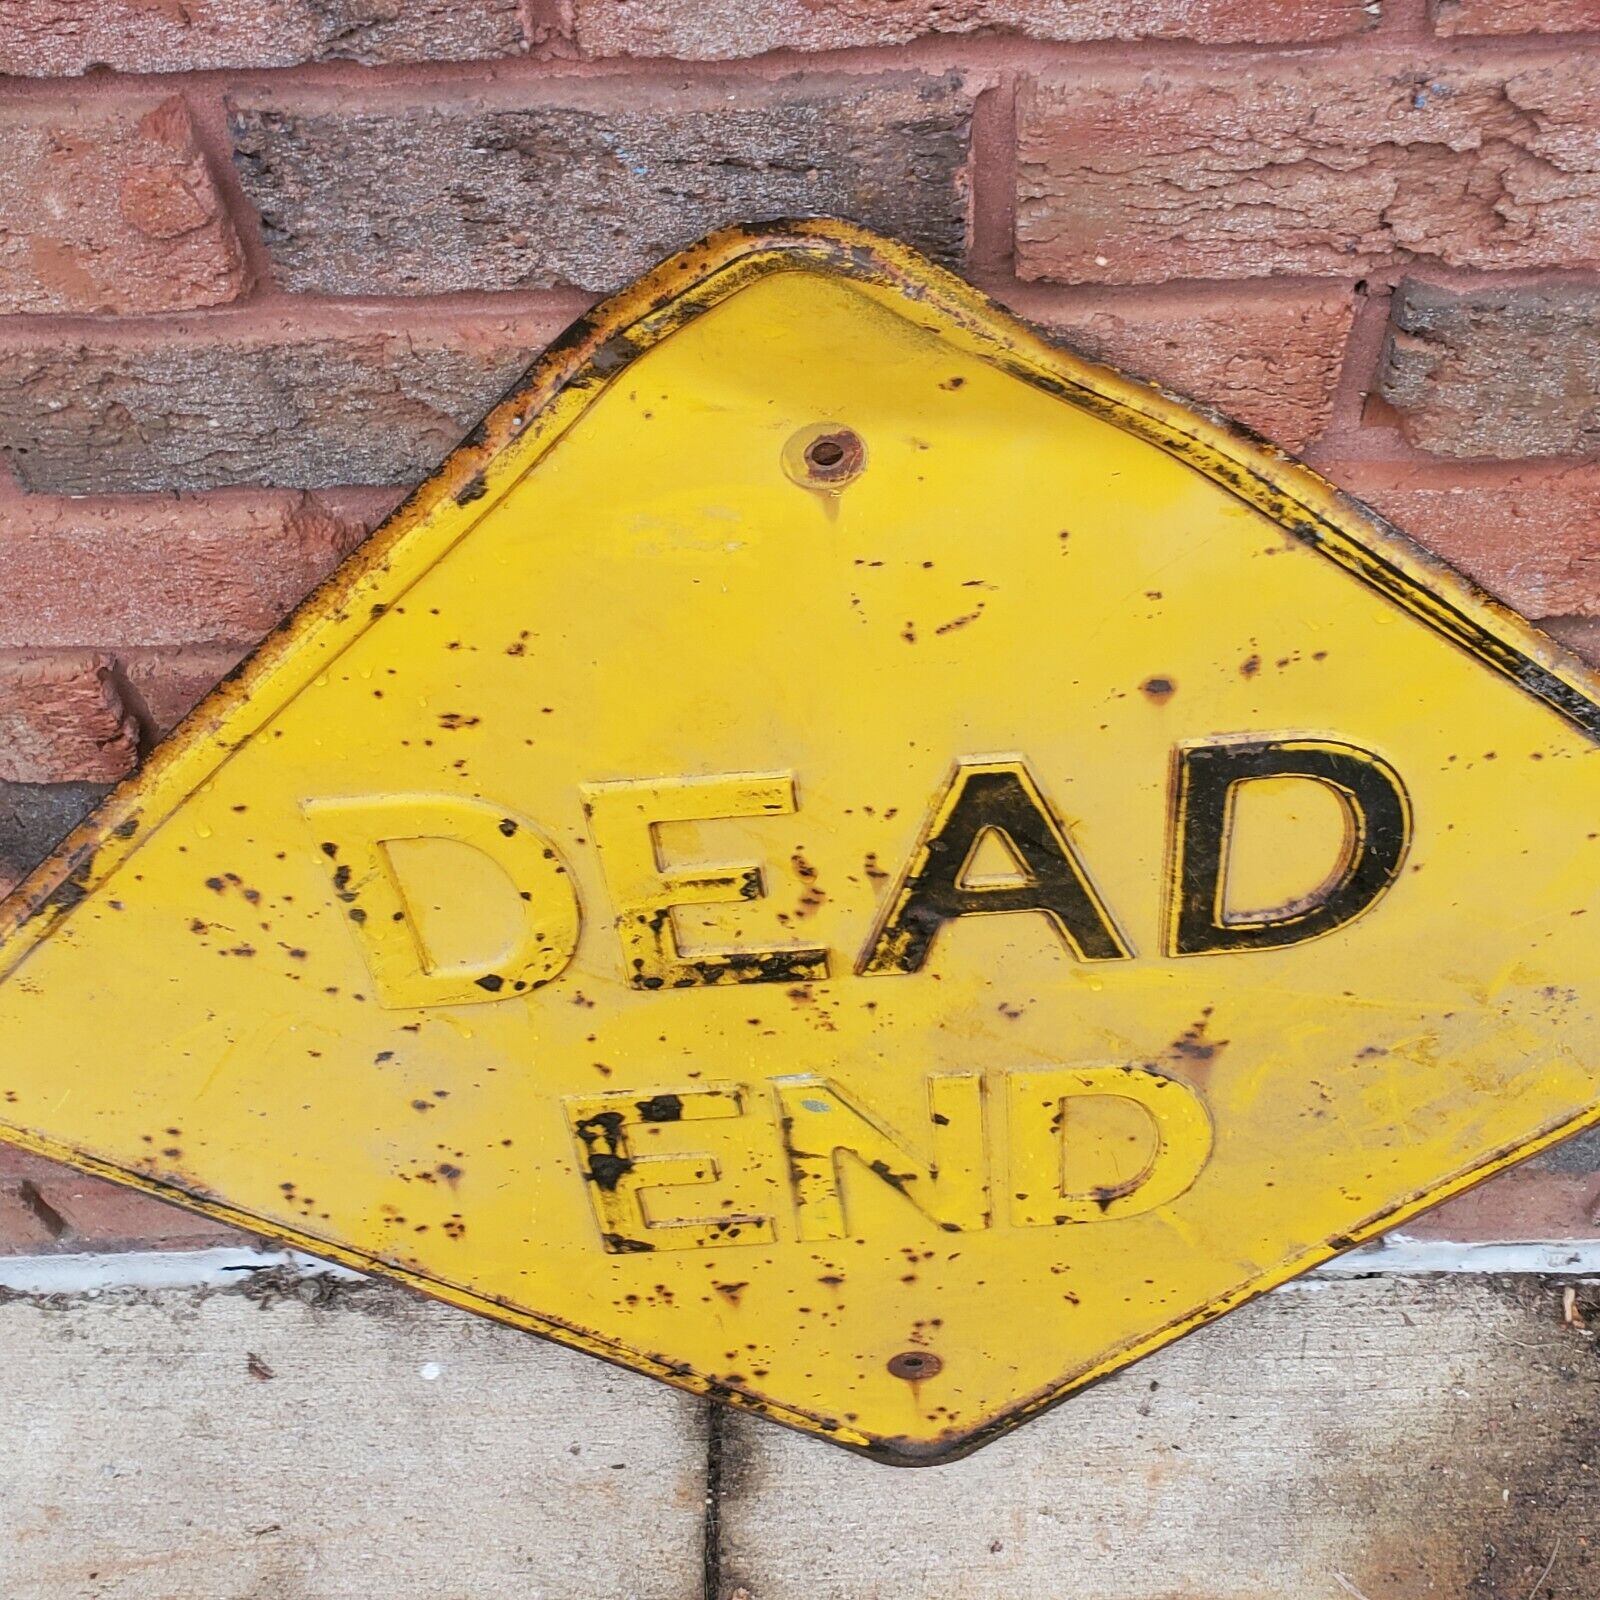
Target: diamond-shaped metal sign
x=844, y=858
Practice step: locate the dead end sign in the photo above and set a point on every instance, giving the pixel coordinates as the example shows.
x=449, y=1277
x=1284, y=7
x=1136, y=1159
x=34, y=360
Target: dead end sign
x=843, y=857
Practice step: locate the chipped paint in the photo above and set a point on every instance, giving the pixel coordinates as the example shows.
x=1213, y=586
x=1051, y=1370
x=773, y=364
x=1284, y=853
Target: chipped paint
x=841, y=857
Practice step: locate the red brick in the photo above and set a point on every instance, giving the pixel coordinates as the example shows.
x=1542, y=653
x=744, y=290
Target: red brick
x=1503, y=372
x=720, y=30
x=160, y=571
x=1581, y=635
x=169, y=684
x=111, y=208
x=1516, y=16
x=1523, y=1205
x=26, y=1226
x=1328, y=166
x=62, y=719
x=46, y=1207
x=53, y=38
x=584, y=183
x=1529, y=536
x=1270, y=361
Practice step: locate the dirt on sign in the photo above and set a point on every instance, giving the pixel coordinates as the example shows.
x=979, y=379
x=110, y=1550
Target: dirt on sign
x=843, y=857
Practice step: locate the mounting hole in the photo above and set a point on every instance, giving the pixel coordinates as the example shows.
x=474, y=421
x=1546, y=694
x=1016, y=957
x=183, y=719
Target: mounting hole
x=914, y=1365
x=824, y=456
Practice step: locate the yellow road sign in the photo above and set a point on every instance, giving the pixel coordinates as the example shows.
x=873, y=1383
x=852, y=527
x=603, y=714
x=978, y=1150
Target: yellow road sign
x=845, y=858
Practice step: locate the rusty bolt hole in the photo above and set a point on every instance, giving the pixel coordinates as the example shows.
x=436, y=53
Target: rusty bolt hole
x=915, y=1364
x=825, y=456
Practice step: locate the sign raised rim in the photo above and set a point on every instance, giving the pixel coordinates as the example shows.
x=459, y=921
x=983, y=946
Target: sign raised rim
x=553, y=392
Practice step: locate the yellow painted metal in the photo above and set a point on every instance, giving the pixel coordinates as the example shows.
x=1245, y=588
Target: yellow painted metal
x=843, y=857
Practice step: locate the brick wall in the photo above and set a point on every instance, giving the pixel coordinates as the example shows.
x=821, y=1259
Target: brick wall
x=263, y=261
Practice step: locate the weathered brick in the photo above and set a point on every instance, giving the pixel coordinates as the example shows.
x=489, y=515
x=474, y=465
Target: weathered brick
x=1320, y=166
x=53, y=38
x=34, y=818
x=205, y=408
x=1523, y=1205
x=168, y=684
x=160, y=571
x=582, y=184
x=1531, y=537
x=45, y=1207
x=27, y=1227
x=720, y=30
x=1552, y=1196
x=110, y=208
x=1581, y=635
x=1516, y=16
x=62, y=720
x=1269, y=361
x=1501, y=372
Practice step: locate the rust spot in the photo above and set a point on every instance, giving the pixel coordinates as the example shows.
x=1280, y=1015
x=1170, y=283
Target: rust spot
x=661, y=1108
x=833, y=458
x=617, y=1244
x=961, y=621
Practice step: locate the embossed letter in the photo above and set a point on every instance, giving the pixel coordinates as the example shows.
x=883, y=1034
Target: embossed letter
x=1205, y=784
x=356, y=837
x=984, y=802
x=1039, y=1111
x=821, y=1127
x=610, y=1130
x=623, y=817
